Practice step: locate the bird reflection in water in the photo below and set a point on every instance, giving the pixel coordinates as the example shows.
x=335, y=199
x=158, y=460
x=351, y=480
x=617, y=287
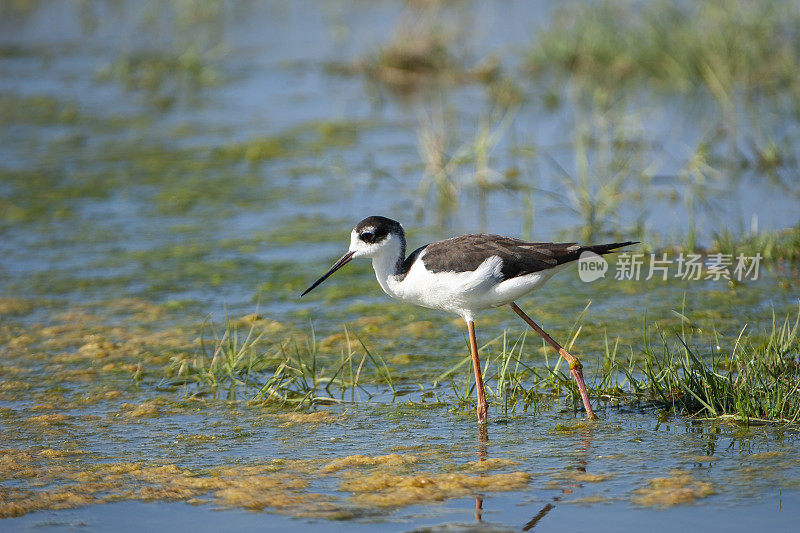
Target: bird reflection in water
x=580, y=465
x=483, y=453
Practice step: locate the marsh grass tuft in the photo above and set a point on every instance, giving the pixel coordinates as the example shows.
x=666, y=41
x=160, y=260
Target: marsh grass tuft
x=245, y=361
x=774, y=246
x=228, y=362
x=425, y=49
x=678, y=45
x=755, y=379
x=453, y=166
x=512, y=377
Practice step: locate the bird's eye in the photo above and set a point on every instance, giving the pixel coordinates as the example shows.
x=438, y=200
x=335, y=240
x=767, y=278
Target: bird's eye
x=367, y=236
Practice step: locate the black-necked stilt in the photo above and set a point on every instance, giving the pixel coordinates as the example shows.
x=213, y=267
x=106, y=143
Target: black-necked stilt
x=465, y=275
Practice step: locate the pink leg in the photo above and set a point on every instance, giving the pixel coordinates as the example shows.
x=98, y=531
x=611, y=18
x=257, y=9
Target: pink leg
x=476, y=366
x=574, y=365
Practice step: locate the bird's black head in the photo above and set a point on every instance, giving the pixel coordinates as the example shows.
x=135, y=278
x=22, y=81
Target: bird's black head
x=374, y=236
x=374, y=229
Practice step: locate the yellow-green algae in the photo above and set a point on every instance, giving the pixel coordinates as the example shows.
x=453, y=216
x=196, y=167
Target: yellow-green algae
x=300, y=418
x=14, y=306
x=588, y=500
x=91, y=360
x=60, y=479
x=384, y=489
x=392, y=480
x=85, y=352
x=581, y=476
x=59, y=483
x=391, y=461
x=680, y=487
x=490, y=463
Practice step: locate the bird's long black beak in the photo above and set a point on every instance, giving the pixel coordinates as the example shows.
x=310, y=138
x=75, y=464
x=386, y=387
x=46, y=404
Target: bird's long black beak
x=346, y=258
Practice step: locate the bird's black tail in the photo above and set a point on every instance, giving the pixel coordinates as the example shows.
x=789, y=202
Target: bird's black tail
x=601, y=249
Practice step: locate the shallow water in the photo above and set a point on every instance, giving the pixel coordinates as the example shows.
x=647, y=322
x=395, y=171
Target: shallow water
x=576, y=474
x=164, y=163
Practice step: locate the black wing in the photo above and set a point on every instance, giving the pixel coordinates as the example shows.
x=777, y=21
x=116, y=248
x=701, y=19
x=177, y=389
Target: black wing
x=467, y=252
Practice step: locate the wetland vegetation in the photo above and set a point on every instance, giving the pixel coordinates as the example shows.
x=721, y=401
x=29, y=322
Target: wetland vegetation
x=173, y=174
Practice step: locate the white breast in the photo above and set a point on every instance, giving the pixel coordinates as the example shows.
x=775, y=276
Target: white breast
x=462, y=293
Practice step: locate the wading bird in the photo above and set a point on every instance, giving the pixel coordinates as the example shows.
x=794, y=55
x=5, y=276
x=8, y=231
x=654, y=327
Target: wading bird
x=464, y=275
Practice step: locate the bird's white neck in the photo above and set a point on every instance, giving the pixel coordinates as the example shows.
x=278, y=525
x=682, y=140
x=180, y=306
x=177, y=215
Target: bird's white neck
x=387, y=263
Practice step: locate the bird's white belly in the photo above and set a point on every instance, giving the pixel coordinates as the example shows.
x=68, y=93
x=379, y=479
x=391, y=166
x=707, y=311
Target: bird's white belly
x=463, y=293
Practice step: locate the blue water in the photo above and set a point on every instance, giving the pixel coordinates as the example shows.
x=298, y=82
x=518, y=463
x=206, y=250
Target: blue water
x=270, y=63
